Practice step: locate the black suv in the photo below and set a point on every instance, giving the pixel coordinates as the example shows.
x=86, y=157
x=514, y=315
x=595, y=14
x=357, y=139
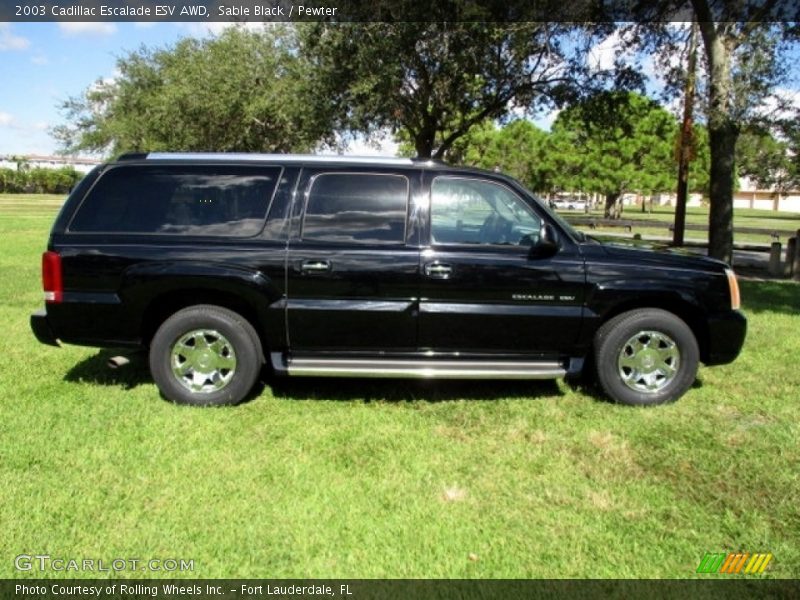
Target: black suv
x=220, y=264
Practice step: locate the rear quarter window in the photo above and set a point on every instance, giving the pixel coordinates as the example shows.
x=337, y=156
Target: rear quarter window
x=178, y=200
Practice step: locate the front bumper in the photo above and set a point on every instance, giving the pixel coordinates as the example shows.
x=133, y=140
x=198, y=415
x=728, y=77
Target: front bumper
x=726, y=333
x=41, y=328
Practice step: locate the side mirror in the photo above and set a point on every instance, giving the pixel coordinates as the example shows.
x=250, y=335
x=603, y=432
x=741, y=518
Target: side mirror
x=548, y=243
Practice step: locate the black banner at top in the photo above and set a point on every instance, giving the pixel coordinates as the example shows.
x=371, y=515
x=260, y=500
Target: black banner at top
x=501, y=11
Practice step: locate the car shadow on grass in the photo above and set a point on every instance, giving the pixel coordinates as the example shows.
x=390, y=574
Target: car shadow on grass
x=408, y=390
x=771, y=296
x=95, y=370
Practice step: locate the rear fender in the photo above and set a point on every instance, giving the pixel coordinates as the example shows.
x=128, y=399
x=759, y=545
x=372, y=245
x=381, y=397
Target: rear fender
x=155, y=288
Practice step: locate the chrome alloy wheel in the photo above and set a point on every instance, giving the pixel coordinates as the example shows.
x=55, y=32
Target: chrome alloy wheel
x=648, y=361
x=203, y=361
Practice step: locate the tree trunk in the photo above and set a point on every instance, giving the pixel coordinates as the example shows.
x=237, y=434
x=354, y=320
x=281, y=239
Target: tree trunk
x=612, y=209
x=722, y=134
x=722, y=142
x=425, y=138
x=686, y=143
x=423, y=145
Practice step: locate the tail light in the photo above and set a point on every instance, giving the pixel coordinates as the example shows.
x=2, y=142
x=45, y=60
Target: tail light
x=52, y=280
x=733, y=285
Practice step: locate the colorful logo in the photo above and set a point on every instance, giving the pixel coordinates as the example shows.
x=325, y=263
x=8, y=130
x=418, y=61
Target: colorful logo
x=734, y=563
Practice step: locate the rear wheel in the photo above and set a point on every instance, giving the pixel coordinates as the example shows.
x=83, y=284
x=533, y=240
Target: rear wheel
x=205, y=355
x=646, y=357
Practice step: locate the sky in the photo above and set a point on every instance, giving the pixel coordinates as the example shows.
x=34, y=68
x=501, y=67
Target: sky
x=43, y=64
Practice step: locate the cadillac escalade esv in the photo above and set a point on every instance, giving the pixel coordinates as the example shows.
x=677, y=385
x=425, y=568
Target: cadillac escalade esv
x=222, y=264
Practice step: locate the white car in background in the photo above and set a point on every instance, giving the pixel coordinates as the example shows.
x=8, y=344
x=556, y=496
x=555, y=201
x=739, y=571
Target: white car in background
x=568, y=204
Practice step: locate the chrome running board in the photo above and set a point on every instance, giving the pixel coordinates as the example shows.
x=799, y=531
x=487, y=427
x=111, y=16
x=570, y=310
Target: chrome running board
x=418, y=368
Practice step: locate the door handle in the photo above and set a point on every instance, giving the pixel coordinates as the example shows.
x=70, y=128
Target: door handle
x=315, y=266
x=438, y=270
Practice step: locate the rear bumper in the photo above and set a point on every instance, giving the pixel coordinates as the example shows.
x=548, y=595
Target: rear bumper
x=726, y=333
x=41, y=328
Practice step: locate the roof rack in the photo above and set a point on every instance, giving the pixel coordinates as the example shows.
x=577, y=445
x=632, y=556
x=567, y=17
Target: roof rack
x=132, y=156
x=275, y=158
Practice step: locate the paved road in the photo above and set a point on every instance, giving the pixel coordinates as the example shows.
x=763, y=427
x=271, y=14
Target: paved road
x=742, y=258
x=751, y=260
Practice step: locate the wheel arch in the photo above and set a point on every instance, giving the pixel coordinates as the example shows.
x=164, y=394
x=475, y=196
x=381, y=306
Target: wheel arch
x=161, y=307
x=673, y=303
x=156, y=289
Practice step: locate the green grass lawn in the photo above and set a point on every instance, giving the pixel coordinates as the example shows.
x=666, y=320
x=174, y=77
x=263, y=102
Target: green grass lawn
x=354, y=478
x=785, y=224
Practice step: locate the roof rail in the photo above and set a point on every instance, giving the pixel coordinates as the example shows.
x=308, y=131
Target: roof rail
x=132, y=156
x=279, y=158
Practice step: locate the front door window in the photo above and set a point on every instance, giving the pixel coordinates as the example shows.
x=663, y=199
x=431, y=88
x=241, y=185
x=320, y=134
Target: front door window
x=472, y=211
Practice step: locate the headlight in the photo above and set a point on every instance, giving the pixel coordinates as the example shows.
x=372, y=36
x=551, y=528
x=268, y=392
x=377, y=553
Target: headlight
x=733, y=286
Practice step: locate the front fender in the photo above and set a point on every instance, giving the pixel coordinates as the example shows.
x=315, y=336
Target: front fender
x=684, y=295
x=605, y=297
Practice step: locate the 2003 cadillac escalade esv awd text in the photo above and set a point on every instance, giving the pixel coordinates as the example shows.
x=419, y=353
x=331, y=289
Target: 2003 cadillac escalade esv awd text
x=223, y=264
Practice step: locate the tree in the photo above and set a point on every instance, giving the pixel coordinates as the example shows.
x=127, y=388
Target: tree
x=744, y=45
x=38, y=180
x=437, y=80
x=613, y=143
x=699, y=182
x=791, y=131
x=766, y=160
x=241, y=91
x=686, y=143
x=517, y=148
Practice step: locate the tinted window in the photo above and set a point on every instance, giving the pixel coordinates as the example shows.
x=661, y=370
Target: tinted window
x=357, y=208
x=186, y=200
x=473, y=211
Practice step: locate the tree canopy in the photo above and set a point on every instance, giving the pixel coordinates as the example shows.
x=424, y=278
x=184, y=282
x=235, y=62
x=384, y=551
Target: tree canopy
x=241, y=91
x=769, y=161
x=517, y=148
x=613, y=143
x=436, y=80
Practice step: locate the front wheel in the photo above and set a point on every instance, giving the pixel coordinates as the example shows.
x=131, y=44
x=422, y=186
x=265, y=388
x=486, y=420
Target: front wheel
x=646, y=357
x=205, y=355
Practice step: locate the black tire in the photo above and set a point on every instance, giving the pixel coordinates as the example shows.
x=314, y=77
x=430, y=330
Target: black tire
x=222, y=371
x=654, y=367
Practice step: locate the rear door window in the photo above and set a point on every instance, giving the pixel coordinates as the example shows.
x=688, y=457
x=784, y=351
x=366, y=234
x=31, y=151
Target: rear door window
x=357, y=208
x=179, y=200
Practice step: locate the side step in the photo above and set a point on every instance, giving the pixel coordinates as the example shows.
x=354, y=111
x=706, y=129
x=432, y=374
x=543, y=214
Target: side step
x=418, y=368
